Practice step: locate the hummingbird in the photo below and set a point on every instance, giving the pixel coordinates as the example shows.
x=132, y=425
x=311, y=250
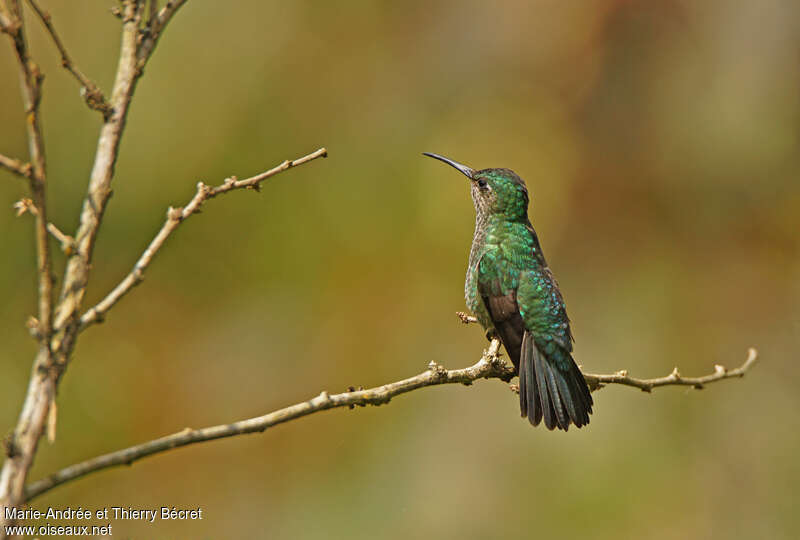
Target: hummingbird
x=514, y=295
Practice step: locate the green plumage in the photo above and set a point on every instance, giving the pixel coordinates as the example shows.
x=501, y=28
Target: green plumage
x=514, y=295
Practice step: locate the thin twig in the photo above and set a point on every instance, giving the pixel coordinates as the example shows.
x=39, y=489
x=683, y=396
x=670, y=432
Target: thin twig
x=596, y=382
x=176, y=216
x=31, y=80
x=67, y=242
x=490, y=366
x=91, y=93
x=77, y=271
x=19, y=168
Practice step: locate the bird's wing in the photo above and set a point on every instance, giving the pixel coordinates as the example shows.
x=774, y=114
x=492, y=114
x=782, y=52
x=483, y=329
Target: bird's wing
x=520, y=345
x=537, y=338
x=500, y=300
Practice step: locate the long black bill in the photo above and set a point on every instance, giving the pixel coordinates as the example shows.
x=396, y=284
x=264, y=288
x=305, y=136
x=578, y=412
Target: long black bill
x=463, y=168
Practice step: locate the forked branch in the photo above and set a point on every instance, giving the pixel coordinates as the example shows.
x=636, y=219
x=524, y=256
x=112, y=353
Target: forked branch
x=26, y=205
x=176, y=216
x=56, y=327
x=490, y=366
x=91, y=93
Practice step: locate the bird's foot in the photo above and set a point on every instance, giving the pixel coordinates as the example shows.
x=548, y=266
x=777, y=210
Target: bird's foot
x=466, y=318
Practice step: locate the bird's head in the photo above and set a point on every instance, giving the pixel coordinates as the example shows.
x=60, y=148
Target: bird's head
x=494, y=191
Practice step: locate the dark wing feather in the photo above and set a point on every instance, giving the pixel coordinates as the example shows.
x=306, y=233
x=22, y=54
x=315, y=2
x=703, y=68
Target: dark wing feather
x=510, y=327
x=540, y=371
x=530, y=404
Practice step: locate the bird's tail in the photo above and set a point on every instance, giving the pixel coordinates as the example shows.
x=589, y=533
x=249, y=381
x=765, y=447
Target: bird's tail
x=560, y=396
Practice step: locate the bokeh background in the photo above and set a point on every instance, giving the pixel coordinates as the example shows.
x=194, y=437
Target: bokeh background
x=659, y=141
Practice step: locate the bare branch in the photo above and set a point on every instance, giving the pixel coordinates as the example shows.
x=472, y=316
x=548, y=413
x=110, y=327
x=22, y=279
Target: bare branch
x=91, y=93
x=596, y=382
x=157, y=25
x=58, y=328
x=490, y=366
x=41, y=390
x=19, y=168
x=176, y=216
x=31, y=80
x=137, y=47
x=76, y=274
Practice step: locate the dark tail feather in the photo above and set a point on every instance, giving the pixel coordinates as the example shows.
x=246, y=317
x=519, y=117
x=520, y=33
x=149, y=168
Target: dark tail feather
x=546, y=392
x=540, y=371
x=529, y=401
x=583, y=397
x=567, y=399
x=555, y=396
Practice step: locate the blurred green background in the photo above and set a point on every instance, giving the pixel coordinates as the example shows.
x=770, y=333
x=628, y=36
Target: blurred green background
x=659, y=141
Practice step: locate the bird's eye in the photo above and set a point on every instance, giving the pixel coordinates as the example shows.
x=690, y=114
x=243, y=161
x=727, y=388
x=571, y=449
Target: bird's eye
x=483, y=184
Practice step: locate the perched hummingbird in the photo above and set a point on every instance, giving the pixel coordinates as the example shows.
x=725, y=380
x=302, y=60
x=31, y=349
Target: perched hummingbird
x=514, y=295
